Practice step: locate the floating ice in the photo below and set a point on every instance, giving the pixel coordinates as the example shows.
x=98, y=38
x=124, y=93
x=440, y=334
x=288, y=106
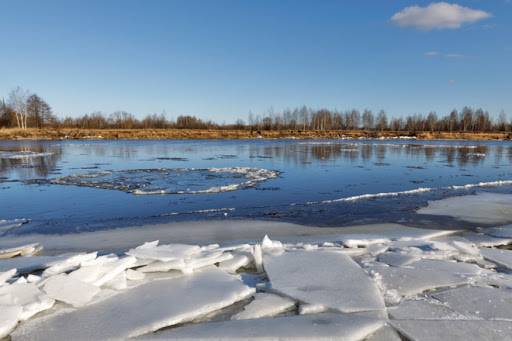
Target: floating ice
x=454, y=330
x=424, y=275
x=482, y=208
x=67, y=289
x=24, y=250
x=322, y=327
x=264, y=305
x=17, y=155
x=172, y=180
x=143, y=309
x=321, y=277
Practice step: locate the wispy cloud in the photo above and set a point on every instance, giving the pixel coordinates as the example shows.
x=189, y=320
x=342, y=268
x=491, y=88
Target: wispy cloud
x=437, y=54
x=438, y=15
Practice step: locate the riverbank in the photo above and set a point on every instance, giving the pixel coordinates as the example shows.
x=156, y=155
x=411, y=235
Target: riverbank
x=185, y=134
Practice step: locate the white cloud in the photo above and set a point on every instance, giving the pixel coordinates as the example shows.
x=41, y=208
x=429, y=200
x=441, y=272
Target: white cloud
x=432, y=54
x=437, y=54
x=438, y=15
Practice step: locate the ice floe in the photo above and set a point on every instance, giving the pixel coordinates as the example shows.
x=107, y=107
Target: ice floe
x=265, y=305
x=7, y=225
x=327, y=278
x=172, y=180
x=483, y=208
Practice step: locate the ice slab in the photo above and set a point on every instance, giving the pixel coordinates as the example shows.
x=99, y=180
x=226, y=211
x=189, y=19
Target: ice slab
x=23, y=250
x=8, y=319
x=478, y=302
x=483, y=240
x=164, y=253
x=68, y=264
x=322, y=327
x=6, y=275
x=424, y=275
x=385, y=333
x=238, y=261
x=28, y=264
x=143, y=309
x=69, y=290
x=265, y=305
x=327, y=278
x=498, y=256
x=104, y=271
x=454, y=330
x=422, y=309
x=482, y=208
x=28, y=296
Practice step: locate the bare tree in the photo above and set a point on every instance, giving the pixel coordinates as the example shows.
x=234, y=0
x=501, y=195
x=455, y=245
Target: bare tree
x=18, y=102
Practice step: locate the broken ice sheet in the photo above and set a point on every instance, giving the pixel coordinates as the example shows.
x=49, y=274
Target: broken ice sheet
x=143, y=309
x=8, y=318
x=424, y=275
x=422, y=309
x=478, y=302
x=265, y=305
x=326, y=278
x=454, y=330
x=27, y=296
x=22, y=250
x=303, y=327
x=69, y=290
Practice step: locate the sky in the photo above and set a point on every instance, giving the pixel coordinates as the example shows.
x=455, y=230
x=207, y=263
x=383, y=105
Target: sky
x=222, y=59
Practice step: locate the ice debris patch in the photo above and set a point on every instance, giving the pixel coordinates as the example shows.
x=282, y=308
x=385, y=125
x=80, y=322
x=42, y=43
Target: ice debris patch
x=172, y=180
x=349, y=287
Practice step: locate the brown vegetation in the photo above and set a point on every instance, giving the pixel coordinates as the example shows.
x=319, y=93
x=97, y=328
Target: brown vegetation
x=159, y=134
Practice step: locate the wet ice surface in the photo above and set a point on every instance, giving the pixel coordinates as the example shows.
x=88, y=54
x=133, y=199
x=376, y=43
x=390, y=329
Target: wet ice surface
x=302, y=288
x=323, y=183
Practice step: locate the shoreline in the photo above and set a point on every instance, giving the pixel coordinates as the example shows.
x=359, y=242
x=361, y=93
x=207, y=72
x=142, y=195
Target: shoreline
x=13, y=134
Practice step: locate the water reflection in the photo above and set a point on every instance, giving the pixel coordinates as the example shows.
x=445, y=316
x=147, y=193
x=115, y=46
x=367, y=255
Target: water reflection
x=23, y=165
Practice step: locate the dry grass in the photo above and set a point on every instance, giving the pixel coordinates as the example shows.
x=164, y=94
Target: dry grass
x=160, y=134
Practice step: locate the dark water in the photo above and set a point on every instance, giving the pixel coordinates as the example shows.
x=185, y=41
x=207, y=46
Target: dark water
x=88, y=185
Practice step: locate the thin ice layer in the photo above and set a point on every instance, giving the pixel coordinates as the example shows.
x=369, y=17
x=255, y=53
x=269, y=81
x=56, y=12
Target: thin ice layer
x=330, y=279
x=141, y=310
x=483, y=208
x=323, y=327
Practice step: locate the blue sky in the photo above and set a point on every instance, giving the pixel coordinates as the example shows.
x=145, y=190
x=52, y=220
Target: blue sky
x=221, y=59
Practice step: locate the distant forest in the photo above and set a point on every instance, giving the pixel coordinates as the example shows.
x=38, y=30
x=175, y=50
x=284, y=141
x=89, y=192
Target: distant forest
x=23, y=110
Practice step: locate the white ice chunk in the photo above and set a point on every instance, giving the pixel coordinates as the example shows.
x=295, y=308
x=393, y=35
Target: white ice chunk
x=257, y=254
x=424, y=275
x=483, y=240
x=328, y=278
x=164, y=253
x=500, y=257
x=23, y=250
x=29, y=264
x=482, y=208
x=6, y=225
x=267, y=243
x=422, y=309
x=479, y=302
x=238, y=261
x=104, y=271
x=67, y=289
x=68, y=264
x=28, y=296
x=454, y=330
x=264, y=305
x=143, y=309
x=8, y=318
x=324, y=327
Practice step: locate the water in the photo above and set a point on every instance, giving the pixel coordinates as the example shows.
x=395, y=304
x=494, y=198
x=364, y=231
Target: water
x=74, y=186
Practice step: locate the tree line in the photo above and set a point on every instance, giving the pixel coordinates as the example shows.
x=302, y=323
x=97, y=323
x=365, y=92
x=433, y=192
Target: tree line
x=23, y=110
